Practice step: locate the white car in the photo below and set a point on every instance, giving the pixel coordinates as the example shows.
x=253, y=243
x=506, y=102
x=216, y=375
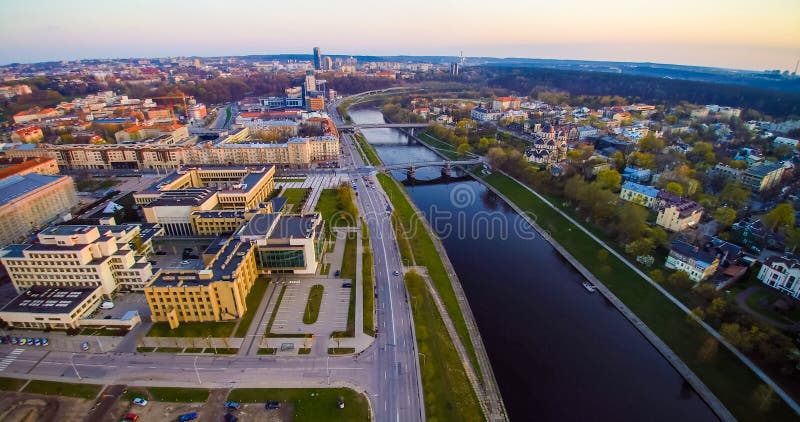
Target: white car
x=140, y=401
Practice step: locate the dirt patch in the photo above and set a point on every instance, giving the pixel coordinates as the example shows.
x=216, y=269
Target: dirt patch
x=257, y=413
x=24, y=407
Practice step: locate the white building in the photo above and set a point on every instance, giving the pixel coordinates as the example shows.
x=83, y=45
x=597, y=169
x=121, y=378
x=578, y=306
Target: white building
x=789, y=142
x=781, y=273
x=639, y=194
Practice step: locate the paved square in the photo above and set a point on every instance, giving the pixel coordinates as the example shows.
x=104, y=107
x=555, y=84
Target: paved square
x=332, y=312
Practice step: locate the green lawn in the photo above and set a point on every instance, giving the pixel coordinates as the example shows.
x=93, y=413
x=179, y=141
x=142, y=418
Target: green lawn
x=289, y=180
x=417, y=247
x=193, y=350
x=447, y=391
x=349, y=272
x=341, y=350
x=304, y=351
x=369, y=284
x=142, y=349
x=294, y=196
x=169, y=349
x=275, y=311
x=311, y=313
x=332, y=210
x=753, y=300
x=52, y=388
x=369, y=151
x=310, y=404
x=325, y=269
x=253, y=300
x=115, y=332
x=193, y=329
x=91, y=184
x=267, y=351
x=11, y=384
x=726, y=375
x=178, y=395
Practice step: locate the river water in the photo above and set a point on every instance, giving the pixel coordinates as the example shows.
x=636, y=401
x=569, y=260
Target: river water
x=558, y=352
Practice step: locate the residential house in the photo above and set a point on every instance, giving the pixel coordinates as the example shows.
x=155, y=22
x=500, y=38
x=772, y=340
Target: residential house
x=636, y=174
x=764, y=176
x=483, y=115
x=639, y=194
x=684, y=256
x=781, y=273
x=675, y=213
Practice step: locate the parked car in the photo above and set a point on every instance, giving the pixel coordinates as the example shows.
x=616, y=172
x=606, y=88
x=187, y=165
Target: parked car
x=142, y=402
x=85, y=346
x=336, y=274
x=160, y=253
x=347, y=285
x=37, y=341
x=273, y=405
x=187, y=417
x=396, y=273
x=231, y=405
x=341, y=402
x=14, y=340
x=22, y=341
x=3, y=340
x=30, y=341
x=130, y=417
x=107, y=305
x=45, y=342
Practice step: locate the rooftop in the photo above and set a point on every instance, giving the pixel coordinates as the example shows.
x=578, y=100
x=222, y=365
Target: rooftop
x=50, y=300
x=688, y=250
x=17, y=186
x=644, y=190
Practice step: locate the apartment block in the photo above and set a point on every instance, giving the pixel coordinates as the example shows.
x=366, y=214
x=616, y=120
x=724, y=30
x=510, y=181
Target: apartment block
x=33, y=200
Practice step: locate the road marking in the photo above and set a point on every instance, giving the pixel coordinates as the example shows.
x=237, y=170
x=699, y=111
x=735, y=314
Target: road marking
x=8, y=360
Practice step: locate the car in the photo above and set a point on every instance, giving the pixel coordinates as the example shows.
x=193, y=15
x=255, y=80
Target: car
x=14, y=340
x=231, y=405
x=336, y=274
x=107, y=317
x=184, y=262
x=187, y=417
x=85, y=346
x=347, y=285
x=30, y=341
x=341, y=403
x=37, y=341
x=160, y=253
x=130, y=417
x=396, y=273
x=273, y=405
x=141, y=402
x=22, y=341
x=45, y=342
x=107, y=304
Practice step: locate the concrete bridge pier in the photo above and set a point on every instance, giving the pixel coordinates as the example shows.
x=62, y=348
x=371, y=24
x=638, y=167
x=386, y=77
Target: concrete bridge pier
x=411, y=173
x=446, y=171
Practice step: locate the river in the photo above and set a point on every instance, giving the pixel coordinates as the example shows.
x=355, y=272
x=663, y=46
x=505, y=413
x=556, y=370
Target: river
x=558, y=352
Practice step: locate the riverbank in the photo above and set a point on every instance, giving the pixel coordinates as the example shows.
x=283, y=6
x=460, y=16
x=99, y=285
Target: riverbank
x=418, y=248
x=725, y=374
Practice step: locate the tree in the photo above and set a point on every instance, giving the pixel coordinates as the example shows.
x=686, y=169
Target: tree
x=675, y=188
x=643, y=160
x=764, y=397
x=658, y=236
x=464, y=149
x=734, y=194
x=793, y=238
x=631, y=222
x=780, y=218
x=651, y=144
x=609, y=179
x=724, y=216
x=740, y=338
x=640, y=247
x=708, y=350
x=657, y=276
x=679, y=280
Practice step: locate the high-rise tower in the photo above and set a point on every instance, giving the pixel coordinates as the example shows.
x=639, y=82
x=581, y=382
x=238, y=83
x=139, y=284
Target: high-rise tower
x=317, y=59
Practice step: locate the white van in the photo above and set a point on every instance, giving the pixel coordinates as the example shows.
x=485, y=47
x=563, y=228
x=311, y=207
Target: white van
x=107, y=305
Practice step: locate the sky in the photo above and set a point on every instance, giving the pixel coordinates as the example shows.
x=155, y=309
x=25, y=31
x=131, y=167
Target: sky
x=739, y=34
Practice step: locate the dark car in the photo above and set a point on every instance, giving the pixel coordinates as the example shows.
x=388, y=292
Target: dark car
x=336, y=274
x=347, y=285
x=273, y=405
x=160, y=253
x=187, y=417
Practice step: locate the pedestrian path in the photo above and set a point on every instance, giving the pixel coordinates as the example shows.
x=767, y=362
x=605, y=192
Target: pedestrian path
x=8, y=360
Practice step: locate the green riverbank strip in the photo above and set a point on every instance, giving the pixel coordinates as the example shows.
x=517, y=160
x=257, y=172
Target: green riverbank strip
x=730, y=380
x=367, y=277
x=368, y=150
x=421, y=251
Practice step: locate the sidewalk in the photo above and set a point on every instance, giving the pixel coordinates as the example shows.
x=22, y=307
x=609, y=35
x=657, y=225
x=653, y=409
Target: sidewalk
x=259, y=322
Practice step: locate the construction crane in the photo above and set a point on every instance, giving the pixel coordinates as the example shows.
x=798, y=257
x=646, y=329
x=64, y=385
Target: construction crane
x=181, y=97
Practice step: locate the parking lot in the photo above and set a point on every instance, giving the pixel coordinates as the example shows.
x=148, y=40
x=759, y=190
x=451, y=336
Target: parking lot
x=170, y=255
x=332, y=313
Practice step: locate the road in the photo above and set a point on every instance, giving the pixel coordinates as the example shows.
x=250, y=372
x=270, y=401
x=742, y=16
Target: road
x=399, y=396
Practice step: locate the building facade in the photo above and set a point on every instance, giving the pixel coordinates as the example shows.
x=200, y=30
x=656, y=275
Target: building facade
x=639, y=194
x=675, y=213
x=286, y=243
x=763, y=177
x=781, y=273
x=33, y=200
x=685, y=257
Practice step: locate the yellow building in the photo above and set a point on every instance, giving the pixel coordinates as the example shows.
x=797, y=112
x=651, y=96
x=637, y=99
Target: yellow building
x=33, y=200
x=216, y=293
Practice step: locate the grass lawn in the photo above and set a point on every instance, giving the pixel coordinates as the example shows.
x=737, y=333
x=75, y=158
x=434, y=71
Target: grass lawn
x=134, y=392
x=289, y=335
x=311, y=313
x=11, y=384
x=372, y=156
x=325, y=269
x=447, y=391
x=419, y=248
x=91, y=184
x=193, y=329
x=142, y=349
x=753, y=302
x=304, y=351
x=253, y=300
x=193, y=350
x=341, y=350
x=369, y=284
x=731, y=381
x=169, y=349
x=178, y=395
x=275, y=311
x=81, y=391
x=221, y=351
x=310, y=404
x=115, y=332
x=441, y=146
x=349, y=272
x=332, y=211
x=267, y=351
x=294, y=195
x=289, y=180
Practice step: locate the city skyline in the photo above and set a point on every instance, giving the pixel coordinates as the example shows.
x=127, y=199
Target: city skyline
x=714, y=33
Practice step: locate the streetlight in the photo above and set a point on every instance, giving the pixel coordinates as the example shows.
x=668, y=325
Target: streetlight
x=424, y=358
x=74, y=368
